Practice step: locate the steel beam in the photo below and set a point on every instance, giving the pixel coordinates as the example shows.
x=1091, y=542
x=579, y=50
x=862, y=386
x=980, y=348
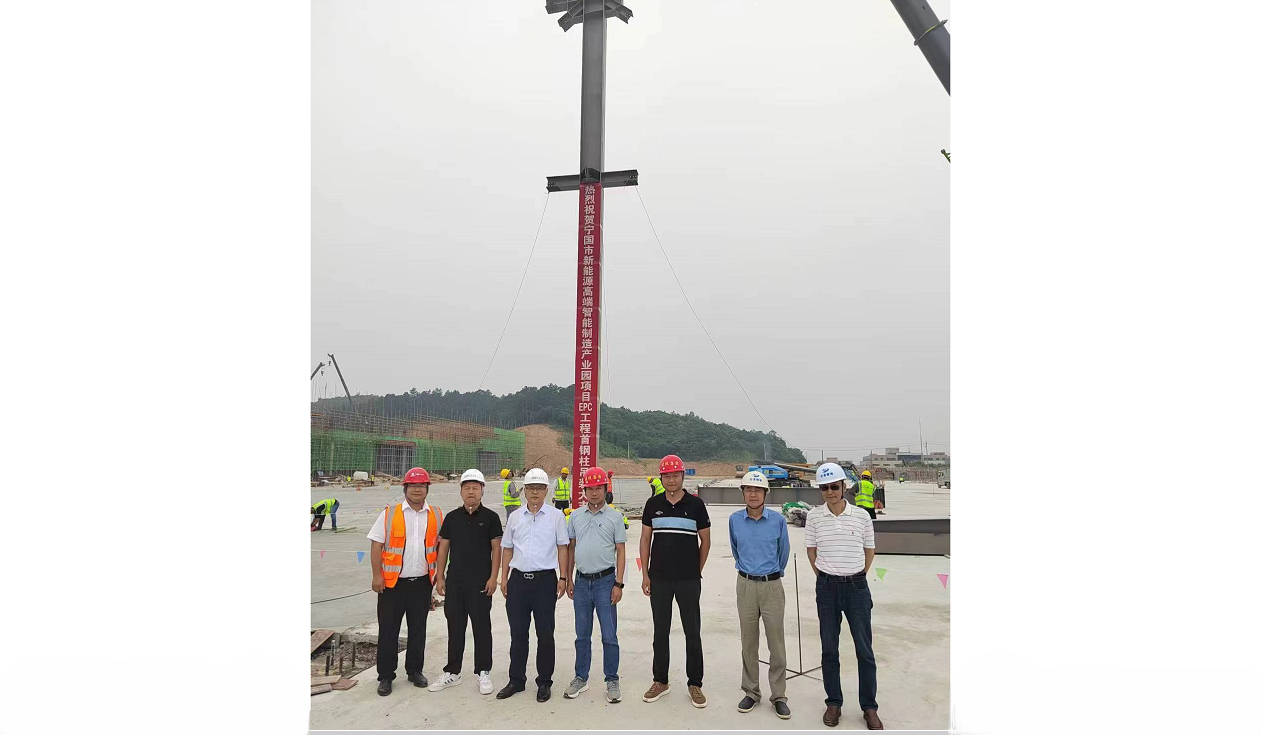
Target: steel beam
x=930, y=35
x=608, y=178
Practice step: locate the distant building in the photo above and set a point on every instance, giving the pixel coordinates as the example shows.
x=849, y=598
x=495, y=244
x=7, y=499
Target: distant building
x=893, y=458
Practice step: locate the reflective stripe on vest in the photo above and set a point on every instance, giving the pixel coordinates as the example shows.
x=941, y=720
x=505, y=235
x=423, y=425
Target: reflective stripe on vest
x=863, y=495
x=562, y=489
x=510, y=501
x=396, y=542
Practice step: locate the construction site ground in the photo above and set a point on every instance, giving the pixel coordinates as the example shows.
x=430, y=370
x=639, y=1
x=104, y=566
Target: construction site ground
x=910, y=622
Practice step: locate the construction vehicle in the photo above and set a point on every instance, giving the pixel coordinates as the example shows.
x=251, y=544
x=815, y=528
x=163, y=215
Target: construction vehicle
x=943, y=478
x=781, y=477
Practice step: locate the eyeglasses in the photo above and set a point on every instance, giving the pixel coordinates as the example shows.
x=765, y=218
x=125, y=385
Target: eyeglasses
x=833, y=486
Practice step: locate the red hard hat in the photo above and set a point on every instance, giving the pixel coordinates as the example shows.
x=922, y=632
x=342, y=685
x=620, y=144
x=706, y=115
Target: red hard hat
x=595, y=476
x=670, y=463
x=416, y=475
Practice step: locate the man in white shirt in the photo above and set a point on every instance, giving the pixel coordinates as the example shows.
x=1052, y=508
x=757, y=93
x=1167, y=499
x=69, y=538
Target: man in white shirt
x=535, y=550
x=404, y=549
x=841, y=545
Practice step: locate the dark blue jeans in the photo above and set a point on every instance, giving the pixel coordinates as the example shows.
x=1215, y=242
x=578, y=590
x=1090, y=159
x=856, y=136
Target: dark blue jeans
x=595, y=596
x=852, y=600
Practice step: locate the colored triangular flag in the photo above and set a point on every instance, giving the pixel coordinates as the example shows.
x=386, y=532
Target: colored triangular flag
x=321, y=553
x=360, y=555
x=943, y=577
x=880, y=573
x=639, y=563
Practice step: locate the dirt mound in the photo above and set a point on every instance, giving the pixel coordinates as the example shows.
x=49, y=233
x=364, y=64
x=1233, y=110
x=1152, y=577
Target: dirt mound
x=543, y=448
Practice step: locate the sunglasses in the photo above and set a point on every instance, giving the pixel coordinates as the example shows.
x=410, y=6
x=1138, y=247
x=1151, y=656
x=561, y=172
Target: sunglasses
x=833, y=486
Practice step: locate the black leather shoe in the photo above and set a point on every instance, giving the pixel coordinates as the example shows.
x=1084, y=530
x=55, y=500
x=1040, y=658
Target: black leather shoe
x=781, y=710
x=384, y=687
x=418, y=680
x=545, y=693
x=746, y=704
x=510, y=690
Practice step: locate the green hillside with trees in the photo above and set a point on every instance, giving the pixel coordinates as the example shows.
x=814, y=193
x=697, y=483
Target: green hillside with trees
x=650, y=433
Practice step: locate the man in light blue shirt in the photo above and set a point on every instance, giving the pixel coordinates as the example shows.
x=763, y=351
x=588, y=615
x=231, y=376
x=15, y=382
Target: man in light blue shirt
x=759, y=545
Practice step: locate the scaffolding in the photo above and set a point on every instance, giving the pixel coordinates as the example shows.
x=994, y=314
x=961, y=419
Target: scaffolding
x=343, y=442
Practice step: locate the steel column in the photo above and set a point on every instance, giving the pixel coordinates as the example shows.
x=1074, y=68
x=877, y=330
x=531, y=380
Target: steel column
x=930, y=35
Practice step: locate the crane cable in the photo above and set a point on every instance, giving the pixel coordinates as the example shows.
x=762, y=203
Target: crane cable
x=519, y=287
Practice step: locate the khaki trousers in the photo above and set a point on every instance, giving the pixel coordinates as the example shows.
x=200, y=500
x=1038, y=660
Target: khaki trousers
x=762, y=601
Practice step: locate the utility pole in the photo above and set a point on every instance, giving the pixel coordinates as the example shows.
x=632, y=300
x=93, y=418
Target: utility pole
x=589, y=182
x=930, y=35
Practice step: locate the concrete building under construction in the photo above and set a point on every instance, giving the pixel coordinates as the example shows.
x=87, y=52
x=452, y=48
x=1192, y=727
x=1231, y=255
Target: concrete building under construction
x=344, y=442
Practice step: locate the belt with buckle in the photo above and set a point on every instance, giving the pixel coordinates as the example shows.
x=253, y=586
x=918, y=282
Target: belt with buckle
x=843, y=577
x=761, y=577
x=597, y=575
x=530, y=575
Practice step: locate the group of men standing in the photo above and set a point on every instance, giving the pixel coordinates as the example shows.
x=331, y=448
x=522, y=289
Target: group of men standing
x=540, y=555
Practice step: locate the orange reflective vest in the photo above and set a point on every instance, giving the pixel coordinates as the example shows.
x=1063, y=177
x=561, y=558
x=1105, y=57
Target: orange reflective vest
x=396, y=541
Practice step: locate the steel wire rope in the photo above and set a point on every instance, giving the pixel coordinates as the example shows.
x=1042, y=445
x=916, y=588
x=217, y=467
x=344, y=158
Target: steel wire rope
x=519, y=287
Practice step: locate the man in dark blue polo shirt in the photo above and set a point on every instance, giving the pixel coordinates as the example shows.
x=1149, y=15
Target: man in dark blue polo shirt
x=674, y=546
x=759, y=545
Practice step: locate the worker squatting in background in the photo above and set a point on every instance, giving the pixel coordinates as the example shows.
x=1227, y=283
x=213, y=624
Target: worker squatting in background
x=597, y=568
x=841, y=545
x=759, y=545
x=326, y=507
x=560, y=493
x=468, y=572
x=404, y=555
x=674, y=546
x=535, y=553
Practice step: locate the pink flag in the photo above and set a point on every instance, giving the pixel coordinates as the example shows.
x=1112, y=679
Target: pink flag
x=639, y=563
x=943, y=577
x=321, y=553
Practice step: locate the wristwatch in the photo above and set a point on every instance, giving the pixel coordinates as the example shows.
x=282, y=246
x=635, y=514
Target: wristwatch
x=563, y=579
x=619, y=585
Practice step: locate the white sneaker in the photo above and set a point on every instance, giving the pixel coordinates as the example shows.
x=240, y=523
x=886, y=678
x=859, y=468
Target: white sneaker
x=446, y=680
x=483, y=682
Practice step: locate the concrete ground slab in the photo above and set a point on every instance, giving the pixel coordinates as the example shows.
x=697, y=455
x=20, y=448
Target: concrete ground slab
x=910, y=621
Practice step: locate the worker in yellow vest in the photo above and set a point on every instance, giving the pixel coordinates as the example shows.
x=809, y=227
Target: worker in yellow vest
x=654, y=483
x=865, y=494
x=326, y=507
x=561, y=494
x=404, y=564
x=512, y=494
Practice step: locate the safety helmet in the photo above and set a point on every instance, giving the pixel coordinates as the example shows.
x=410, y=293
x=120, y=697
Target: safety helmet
x=416, y=475
x=866, y=473
x=504, y=473
x=475, y=475
x=755, y=479
x=830, y=472
x=535, y=476
x=595, y=476
x=670, y=463
x=564, y=470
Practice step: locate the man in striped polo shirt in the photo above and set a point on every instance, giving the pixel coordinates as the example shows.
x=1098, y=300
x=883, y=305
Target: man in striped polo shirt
x=841, y=544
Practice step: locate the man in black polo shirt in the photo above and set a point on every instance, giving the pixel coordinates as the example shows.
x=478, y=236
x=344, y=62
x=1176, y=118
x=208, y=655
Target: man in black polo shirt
x=470, y=539
x=674, y=546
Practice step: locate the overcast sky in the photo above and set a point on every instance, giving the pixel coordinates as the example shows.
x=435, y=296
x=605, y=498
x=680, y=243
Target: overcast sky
x=788, y=156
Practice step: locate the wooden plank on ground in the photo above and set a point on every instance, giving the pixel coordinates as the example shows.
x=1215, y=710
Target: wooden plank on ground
x=318, y=637
x=321, y=689
x=331, y=679
x=344, y=684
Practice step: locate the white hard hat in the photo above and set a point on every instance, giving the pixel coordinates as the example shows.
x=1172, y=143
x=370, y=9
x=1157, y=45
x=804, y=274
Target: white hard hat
x=472, y=475
x=755, y=479
x=830, y=472
x=535, y=476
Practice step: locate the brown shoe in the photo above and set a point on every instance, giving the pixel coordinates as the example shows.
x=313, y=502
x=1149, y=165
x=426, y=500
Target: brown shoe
x=832, y=715
x=873, y=720
x=698, y=698
x=657, y=691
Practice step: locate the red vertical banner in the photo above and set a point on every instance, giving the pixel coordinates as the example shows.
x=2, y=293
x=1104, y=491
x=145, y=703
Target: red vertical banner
x=587, y=336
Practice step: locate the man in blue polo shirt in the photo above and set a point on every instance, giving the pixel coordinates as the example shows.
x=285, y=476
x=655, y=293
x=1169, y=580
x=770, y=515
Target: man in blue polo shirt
x=759, y=545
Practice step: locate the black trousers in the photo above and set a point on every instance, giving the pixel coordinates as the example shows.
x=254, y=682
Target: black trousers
x=870, y=511
x=560, y=504
x=535, y=596
x=465, y=603
x=408, y=597
x=687, y=592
